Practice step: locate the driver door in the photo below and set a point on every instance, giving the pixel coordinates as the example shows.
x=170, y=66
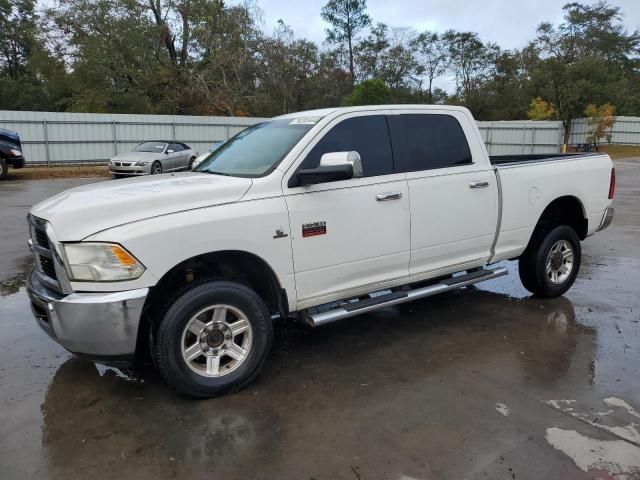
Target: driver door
x=350, y=236
x=176, y=156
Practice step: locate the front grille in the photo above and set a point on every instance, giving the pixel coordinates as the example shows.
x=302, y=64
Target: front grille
x=41, y=238
x=117, y=164
x=126, y=164
x=46, y=264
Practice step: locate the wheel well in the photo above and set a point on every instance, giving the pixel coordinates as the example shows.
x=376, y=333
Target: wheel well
x=565, y=211
x=238, y=266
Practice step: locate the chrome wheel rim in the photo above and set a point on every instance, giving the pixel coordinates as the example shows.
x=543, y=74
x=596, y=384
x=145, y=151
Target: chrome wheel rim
x=559, y=262
x=157, y=169
x=216, y=340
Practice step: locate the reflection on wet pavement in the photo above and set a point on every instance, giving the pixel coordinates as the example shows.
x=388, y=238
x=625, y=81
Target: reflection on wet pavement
x=375, y=392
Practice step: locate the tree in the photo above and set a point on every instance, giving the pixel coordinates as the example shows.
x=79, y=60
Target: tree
x=17, y=35
x=369, y=52
x=473, y=63
x=432, y=58
x=369, y=92
x=347, y=18
x=31, y=76
x=600, y=120
x=585, y=59
x=540, y=109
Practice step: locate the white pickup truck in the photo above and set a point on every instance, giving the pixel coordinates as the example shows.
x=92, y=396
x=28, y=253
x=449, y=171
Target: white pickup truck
x=319, y=216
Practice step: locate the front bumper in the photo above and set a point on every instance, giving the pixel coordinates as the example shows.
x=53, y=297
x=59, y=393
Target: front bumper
x=130, y=169
x=607, y=218
x=101, y=326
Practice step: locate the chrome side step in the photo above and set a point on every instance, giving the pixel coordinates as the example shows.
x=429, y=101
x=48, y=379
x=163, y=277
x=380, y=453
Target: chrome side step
x=371, y=303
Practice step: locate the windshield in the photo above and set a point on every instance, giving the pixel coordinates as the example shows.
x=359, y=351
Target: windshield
x=256, y=150
x=157, y=147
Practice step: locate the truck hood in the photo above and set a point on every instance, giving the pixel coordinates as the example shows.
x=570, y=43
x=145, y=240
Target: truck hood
x=83, y=211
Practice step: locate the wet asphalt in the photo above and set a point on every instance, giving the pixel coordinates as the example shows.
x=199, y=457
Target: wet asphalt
x=484, y=382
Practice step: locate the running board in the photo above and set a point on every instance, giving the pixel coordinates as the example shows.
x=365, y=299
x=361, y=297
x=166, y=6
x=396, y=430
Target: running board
x=401, y=296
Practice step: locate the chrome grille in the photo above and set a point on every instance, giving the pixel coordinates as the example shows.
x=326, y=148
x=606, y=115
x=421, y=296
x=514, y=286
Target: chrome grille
x=46, y=264
x=41, y=238
x=45, y=260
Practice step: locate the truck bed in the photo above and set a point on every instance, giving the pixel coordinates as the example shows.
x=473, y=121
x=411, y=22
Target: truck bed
x=537, y=157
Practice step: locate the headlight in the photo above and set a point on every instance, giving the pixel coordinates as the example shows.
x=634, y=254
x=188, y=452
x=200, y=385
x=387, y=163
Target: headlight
x=15, y=152
x=142, y=164
x=100, y=262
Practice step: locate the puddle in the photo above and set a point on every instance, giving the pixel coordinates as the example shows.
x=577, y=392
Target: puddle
x=604, y=459
x=620, y=418
x=13, y=284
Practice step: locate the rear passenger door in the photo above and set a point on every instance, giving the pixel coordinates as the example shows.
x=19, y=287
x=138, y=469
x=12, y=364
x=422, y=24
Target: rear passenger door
x=452, y=190
x=349, y=236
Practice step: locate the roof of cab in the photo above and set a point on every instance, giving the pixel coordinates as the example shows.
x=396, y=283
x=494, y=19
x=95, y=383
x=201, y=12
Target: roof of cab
x=323, y=112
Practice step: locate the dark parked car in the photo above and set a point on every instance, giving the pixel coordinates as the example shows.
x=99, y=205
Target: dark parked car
x=10, y=151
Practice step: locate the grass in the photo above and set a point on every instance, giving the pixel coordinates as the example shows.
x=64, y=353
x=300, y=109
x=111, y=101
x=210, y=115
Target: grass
x=64, y=171
x=621, y=151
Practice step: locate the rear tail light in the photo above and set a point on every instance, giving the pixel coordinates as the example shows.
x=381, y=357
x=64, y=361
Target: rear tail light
x=612, y=184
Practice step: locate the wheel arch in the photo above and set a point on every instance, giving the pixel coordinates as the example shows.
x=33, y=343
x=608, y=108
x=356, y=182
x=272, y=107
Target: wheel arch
x=234, y=265
x=566, y=210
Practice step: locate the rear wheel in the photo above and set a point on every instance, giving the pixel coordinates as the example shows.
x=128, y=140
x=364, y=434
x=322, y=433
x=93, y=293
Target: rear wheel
x=550, y=264
x=156, y=168
x=213, y=339
x=191, y=160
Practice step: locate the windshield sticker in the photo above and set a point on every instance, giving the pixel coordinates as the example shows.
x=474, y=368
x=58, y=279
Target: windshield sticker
x=305, y=121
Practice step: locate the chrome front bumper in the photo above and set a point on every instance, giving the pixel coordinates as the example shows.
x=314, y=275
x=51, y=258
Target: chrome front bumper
x=130, y=169
x=102, y=326
x=607, y=218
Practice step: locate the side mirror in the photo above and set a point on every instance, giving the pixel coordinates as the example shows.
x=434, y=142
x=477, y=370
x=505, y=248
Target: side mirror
x=169, y=151
x=333, y=166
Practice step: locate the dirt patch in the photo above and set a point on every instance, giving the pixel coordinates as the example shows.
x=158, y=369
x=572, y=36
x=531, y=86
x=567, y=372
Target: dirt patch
x=71, y=171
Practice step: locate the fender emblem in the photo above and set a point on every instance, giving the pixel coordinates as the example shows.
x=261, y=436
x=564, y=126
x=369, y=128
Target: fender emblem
x=280, y=233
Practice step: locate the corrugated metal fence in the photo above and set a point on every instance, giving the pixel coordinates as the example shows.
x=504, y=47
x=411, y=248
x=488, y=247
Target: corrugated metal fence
x=625, y=131
x=516, y=137
x=51, y=137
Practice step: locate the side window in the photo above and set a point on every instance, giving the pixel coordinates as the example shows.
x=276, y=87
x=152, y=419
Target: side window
x=428, y=141
x=176, y=147
x=369, y=136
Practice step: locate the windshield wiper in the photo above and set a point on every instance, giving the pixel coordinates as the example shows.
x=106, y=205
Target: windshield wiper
x=218, y=173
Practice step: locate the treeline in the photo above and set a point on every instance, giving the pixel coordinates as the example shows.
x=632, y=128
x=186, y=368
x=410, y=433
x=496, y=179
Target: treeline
x=205, y=57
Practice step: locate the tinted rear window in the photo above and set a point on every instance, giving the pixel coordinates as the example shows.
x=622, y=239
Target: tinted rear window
x=369, y=136
x=428, y=141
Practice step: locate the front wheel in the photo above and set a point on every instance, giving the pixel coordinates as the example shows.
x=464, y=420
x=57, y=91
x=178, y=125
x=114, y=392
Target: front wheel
x=4, y=169
x=550, y=264
x=213, y=339
x=156, y=168
x=191, y=160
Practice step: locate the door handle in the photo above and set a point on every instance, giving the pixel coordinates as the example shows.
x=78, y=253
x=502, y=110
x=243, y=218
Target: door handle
x=383, y=197
x=479, y=184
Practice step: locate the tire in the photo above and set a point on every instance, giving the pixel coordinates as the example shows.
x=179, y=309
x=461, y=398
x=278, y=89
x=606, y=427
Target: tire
x=548, y=273
x=191, y=160
x=4, y=169
x=156, y=168
x=176, y=339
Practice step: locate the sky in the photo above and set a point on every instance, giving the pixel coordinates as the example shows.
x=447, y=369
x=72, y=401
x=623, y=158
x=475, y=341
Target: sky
x=509, y=23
